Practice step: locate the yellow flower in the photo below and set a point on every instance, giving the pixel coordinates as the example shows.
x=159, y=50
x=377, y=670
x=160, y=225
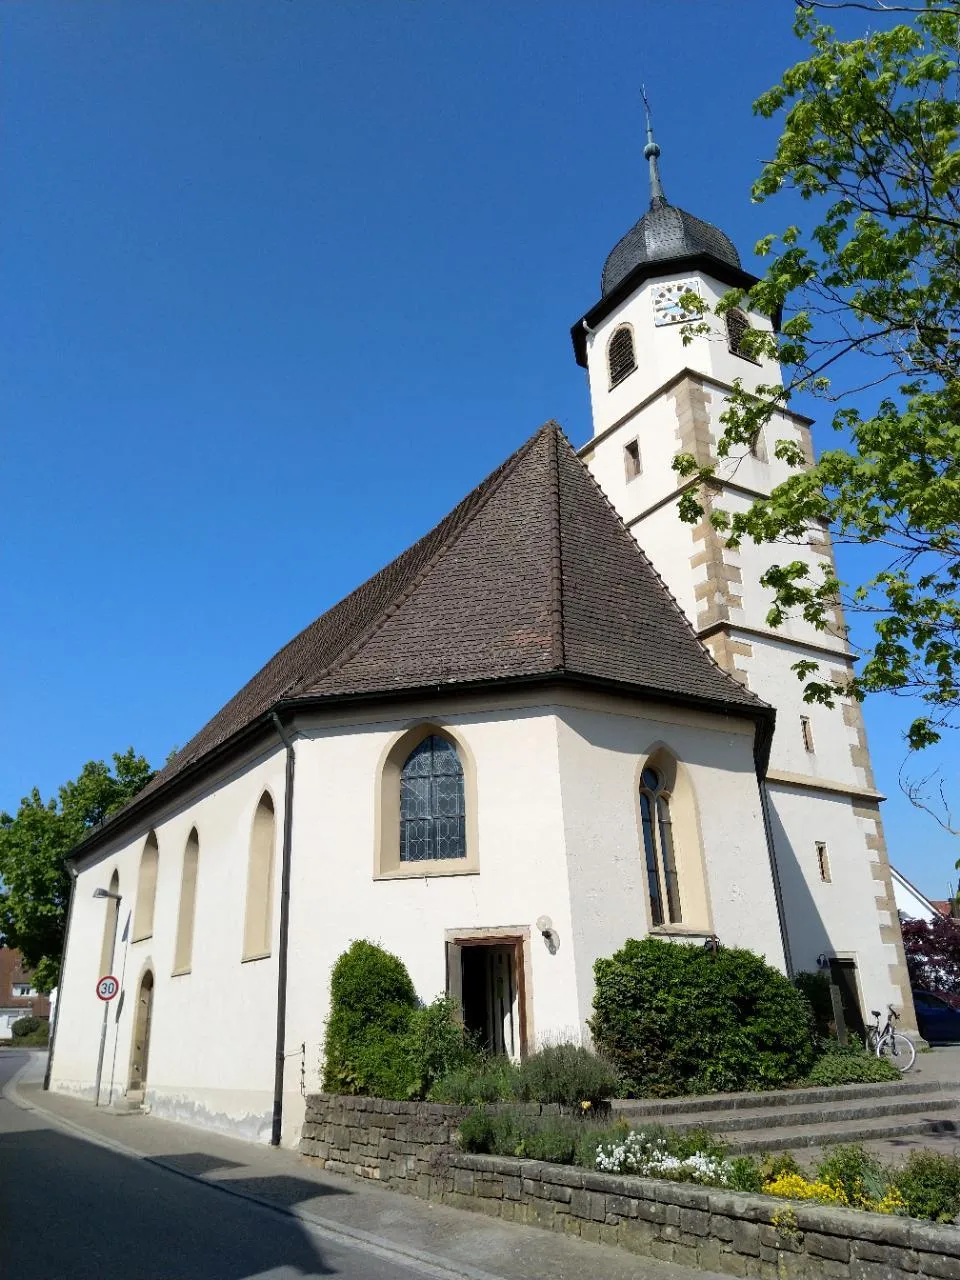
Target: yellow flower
x=794, y=1186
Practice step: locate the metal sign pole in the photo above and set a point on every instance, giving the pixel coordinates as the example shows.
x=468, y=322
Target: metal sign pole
x=103, y=1041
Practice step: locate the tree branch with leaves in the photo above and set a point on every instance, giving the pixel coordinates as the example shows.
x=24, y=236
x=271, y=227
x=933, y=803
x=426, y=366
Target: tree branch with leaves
x=871, y=291
x=34, y=883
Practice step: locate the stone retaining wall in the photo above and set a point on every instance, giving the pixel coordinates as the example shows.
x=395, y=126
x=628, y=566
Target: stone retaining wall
x=409, y=1145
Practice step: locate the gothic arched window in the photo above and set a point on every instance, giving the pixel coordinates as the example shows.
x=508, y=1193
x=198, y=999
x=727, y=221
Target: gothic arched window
x=258, y=918
x=658, y=850
x=621, y=357
x=146, y=890
x=183, y=948
x=432, y=808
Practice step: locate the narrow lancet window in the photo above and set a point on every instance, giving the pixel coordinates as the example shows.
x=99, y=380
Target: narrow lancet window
x=662, y=883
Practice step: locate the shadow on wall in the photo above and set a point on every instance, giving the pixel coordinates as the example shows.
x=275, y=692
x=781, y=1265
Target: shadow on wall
x=807, y=933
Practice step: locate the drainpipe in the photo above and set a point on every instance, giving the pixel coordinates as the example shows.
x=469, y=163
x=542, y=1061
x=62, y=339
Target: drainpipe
x=284, y=931
x=775, y=873
x=60, y=976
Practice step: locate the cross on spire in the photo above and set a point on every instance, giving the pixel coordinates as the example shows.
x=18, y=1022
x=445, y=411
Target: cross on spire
x=651, y=153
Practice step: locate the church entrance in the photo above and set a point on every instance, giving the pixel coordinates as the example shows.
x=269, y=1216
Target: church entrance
x=141, y=1035
x=485, y=977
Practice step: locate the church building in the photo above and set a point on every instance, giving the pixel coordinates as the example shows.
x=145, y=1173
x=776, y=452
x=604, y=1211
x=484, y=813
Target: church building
x=557, y=721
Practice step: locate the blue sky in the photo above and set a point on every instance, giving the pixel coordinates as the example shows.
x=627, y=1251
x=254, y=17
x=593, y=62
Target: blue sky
x=280, y=280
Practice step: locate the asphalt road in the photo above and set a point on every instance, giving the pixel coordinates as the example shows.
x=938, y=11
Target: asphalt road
x=72, y=1210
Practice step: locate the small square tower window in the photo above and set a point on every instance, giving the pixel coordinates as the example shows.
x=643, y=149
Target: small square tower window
x=631, y=459
x=823, y=862
x=806, y=733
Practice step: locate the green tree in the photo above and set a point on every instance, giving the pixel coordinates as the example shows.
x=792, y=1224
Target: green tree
x=871, y=288
x=34, y=883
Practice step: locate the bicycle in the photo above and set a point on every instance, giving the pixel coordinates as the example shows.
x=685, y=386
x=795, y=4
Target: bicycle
x=890, y=1044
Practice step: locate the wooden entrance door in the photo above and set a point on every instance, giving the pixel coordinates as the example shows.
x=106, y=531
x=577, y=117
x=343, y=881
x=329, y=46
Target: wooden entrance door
x=141, y=1035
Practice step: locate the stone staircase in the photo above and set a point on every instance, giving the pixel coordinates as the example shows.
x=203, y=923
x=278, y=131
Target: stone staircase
x=785, y=1119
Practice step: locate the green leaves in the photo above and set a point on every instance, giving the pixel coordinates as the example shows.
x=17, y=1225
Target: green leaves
x=33, y=845
x=871, y=139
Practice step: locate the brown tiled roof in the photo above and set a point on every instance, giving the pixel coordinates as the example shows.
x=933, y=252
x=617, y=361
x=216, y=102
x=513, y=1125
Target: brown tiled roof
x=532, y=574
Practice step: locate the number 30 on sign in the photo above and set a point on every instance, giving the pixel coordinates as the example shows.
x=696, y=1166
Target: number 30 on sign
x=107, y=987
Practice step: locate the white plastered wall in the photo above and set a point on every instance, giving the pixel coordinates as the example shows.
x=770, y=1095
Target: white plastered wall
x=601, y=753
x=522, y=875
x=661, y=352
x=836, y=918
x=852, y=921
x=212, y=1037
x=558, y=837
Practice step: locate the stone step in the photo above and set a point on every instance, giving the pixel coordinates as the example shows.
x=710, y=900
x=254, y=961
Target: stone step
x=789, y=1139
x=826, y=1113
x=662, y=1108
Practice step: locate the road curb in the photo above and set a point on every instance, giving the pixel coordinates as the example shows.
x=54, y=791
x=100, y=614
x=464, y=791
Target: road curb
x=429, y=1264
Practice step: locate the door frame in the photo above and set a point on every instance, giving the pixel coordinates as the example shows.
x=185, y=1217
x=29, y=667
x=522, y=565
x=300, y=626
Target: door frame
x=497, y=936
x=148, y=968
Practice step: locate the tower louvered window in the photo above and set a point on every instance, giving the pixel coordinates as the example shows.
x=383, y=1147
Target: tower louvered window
x=431, y=803
x=621, y=356
x=737, y=326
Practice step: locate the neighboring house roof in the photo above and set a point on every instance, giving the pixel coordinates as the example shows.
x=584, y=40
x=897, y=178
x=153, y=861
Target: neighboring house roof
x=533, y=575
x=910, y=896
x=942, y=905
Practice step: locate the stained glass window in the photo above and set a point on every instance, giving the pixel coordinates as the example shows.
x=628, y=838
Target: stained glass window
x=431, y=803
x=662, y=884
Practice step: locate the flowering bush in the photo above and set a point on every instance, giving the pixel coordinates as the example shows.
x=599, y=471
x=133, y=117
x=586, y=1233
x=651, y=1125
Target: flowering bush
x=652, y=1157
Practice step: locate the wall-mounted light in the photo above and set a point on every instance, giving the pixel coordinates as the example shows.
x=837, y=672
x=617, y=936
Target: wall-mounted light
x=105, y=893
x=550, y=936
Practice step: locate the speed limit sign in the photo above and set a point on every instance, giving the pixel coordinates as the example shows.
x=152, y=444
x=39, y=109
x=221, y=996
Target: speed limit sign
x=107, y=987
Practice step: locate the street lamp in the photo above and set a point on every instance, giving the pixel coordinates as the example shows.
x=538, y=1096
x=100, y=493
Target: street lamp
x=114, y=897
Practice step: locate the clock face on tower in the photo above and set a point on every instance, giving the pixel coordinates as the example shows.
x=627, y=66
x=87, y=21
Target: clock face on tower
x=666, y=301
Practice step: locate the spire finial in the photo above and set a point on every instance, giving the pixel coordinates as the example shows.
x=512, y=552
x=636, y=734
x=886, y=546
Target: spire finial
x=651, y=152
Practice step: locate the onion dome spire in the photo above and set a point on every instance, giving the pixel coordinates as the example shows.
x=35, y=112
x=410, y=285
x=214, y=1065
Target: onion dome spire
x=665, y=234
x=651, y=153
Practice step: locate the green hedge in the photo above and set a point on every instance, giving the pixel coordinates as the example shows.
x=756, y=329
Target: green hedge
x=676, y=1019
x=371, y=1002
x=380, y=1041
x=28, y=1025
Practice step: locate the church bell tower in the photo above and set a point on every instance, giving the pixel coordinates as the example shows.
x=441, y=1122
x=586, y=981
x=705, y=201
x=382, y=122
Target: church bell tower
x=653, y=397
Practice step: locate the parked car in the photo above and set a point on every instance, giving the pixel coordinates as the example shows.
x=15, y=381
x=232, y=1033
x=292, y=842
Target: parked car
x=937, y=1021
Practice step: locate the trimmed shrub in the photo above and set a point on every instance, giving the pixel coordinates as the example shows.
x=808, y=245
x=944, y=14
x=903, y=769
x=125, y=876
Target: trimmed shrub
x=434, y=1046
x=372, y=1000
x=26, y=1026
x=480, y=1081
x=678, y=1019
x=851, y=1065
x=568, y=1074
x=929, y=1185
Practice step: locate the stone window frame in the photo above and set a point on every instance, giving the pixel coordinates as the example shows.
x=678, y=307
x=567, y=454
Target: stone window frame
x=260, y=878
x=187, y=909
x=386, y=859
x=111, y=924
x=688, y=844
x=632, y=459
x=823, y=861
x=146, y=900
